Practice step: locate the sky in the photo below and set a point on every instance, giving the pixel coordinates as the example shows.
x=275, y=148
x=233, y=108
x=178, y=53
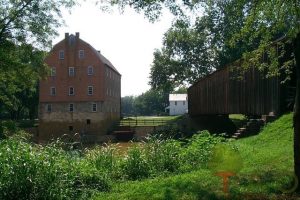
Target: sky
x=128, y=40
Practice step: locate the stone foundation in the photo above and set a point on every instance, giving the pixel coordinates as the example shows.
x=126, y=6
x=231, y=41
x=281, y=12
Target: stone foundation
x=81, y=122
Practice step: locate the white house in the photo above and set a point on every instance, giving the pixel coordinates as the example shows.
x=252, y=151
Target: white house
x=178, y=104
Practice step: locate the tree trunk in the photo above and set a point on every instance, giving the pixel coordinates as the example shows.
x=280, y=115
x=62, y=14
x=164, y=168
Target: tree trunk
x=296, y=117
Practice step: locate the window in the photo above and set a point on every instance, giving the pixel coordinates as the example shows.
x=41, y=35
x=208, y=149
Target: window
x=94, y=107
x=175, y=103
x=90, y=90
x=48, y=107
x=107, y=72
x=71, y=91
x=71, y=107
x=71, y=71
x=90, y=70
x=81, y=54
x=53, y=91
x=53, y=71
x=88, y=121
x=61, y=54
x=70, y=128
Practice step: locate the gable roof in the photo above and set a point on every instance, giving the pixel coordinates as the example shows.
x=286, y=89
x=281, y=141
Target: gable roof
x=177, y=97
x=103, y=59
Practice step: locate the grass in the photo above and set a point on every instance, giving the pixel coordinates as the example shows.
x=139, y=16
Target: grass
x=148, y=120
x=238, y=119
x=158, y=169
x=267, y=170
x=167, y=118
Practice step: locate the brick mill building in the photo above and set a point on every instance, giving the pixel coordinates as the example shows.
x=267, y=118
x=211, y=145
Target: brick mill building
x=82, y=93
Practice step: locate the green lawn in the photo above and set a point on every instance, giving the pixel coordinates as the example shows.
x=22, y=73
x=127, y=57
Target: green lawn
x=238, y=119
x=148, y=120
x=267, y=170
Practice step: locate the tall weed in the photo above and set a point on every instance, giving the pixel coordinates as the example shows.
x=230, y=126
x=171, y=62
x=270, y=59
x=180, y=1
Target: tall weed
x=134, y=165
x=29, y=171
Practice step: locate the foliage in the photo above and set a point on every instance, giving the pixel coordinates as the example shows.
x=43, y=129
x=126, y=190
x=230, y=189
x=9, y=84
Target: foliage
x=163, y=155
x=180, y=90
x=35, y=172
x=127, y=103
x=225, y=159
x=26, y=27
x=184, y=58
x=134, y=166
x=54, y=171
x=152, y=102
x=199, y=150
x=171, y=131
x=7, y=128
x=194, y=48
x=30, y=171
x=19, y=80
x=33, y=20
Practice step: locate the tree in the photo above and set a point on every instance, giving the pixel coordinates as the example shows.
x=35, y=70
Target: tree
x=25, y=27
x=193, y=49
x=127, y=103
x=185, y=57
x=31, y=20
x=18, y=83
x=152, y=102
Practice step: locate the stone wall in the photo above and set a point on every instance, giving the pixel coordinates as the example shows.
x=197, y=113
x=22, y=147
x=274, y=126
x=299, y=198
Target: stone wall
x=82, y=120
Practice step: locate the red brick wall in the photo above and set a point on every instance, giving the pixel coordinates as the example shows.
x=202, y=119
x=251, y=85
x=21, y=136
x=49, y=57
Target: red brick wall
x=80, y=81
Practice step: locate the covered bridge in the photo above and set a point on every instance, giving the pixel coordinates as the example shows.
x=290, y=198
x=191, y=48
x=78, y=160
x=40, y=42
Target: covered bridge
x=222, y=93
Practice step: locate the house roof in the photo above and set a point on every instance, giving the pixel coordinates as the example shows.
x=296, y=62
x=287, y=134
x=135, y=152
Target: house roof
x=98, y=54
x=177, y=97
x=102, y=58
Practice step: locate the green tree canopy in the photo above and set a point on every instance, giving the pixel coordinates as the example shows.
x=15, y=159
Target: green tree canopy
x=26, y=27
x=31, y=21
x=152, y=102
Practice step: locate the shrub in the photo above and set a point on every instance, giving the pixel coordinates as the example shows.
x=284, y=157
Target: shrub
x=198, y=150
x=30, y=171
x=134, y=166
x=163, y=155
x=168, y=132
x=105, y=159
x=7, y=128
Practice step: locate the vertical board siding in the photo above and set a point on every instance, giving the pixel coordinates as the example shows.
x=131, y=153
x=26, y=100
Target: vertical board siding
x=222, y=92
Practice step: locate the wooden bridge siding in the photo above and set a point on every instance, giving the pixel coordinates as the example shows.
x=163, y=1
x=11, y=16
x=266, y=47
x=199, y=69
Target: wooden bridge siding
x=222, y=93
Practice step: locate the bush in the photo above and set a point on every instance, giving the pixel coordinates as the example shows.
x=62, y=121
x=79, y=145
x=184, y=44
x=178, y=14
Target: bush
x=198, y=150
x=168, y=132
x=134, y=165
x=7, y=128
x=30, y=171
x=105, y=160
x=163, y=155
